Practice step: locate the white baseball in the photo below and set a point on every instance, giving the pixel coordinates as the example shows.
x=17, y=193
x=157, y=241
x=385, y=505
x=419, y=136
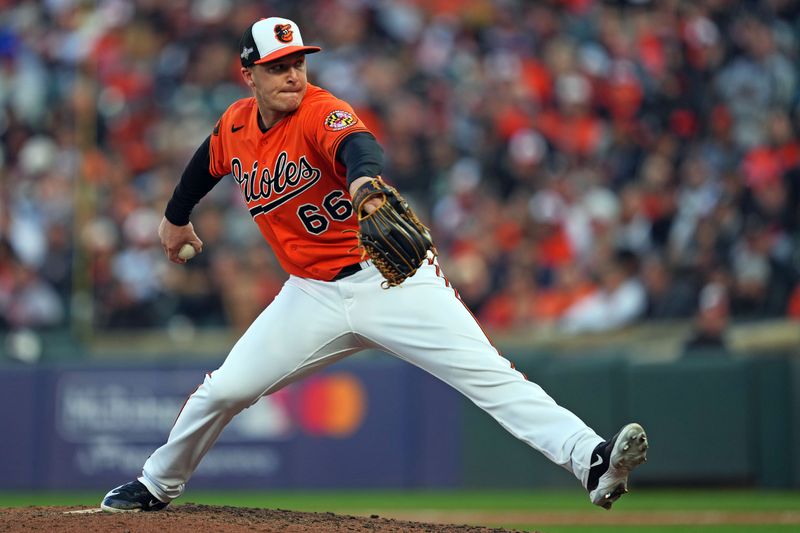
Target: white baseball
x=186, y=252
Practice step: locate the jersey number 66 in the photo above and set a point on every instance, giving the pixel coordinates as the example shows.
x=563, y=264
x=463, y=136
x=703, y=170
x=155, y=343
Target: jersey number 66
x=335, y=205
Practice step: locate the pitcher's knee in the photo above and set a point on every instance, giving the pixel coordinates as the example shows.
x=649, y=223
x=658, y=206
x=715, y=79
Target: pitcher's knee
x=225, y=397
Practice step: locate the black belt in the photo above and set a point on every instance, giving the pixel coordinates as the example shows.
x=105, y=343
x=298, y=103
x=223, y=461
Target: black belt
x=349, y=270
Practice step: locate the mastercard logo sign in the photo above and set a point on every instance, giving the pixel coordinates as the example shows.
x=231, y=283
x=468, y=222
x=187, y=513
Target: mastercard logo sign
x=332, y=405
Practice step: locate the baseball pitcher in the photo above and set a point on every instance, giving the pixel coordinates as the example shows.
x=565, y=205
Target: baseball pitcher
x=360, y=263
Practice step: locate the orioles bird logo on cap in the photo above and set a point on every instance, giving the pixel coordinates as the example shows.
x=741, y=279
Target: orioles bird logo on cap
x=284, y=33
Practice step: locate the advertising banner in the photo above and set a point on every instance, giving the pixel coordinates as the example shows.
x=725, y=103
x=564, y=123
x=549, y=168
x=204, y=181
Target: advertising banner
x=369, y=423
x=19, y=420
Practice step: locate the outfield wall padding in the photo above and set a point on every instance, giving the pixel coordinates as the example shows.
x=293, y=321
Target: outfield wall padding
x=711, y=420
x=370, y=423
x=374, y=421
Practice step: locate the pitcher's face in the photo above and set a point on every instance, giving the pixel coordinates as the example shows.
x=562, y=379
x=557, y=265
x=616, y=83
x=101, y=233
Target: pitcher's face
x=279, y=86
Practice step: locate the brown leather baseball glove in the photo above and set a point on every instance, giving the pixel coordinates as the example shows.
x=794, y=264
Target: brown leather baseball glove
x=392, y=235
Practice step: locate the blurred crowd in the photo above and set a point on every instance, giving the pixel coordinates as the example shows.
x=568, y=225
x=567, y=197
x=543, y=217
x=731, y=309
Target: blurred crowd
x=583, y=163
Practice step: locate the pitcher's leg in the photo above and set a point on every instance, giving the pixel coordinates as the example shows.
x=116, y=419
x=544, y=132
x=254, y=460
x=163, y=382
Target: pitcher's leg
x=435, y=331
x=279, y=347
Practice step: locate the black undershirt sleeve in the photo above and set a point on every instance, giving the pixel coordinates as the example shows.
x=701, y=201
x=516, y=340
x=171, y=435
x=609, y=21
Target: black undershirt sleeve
x=361, y=155
x=196, y=181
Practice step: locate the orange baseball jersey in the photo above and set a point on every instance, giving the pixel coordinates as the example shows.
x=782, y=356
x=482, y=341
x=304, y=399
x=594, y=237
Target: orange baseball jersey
x=295, y=189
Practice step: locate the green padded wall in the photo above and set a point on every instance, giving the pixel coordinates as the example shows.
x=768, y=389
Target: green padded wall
x=699, y=418
x=773, y=413
x=711, y=420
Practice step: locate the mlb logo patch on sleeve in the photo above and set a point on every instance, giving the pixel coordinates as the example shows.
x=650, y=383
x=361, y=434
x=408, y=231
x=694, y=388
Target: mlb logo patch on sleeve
x=339, y=120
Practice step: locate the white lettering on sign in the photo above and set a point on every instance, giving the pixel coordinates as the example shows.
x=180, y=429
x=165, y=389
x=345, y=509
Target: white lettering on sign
x=139, y=407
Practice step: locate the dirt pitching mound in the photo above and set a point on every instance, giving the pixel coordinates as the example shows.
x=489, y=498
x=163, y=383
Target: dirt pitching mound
x=193, y=518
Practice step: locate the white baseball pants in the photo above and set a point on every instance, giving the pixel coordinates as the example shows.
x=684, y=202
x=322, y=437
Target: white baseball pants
x=313, y=323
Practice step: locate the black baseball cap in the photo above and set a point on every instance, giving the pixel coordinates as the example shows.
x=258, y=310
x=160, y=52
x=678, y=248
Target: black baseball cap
x=269, y=39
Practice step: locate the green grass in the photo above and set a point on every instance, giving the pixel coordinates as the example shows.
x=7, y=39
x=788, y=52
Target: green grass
x=661, y=529
x=571, y=502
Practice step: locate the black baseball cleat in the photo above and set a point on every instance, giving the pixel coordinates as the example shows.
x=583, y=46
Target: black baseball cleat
x=612, y=461
x=131, y=498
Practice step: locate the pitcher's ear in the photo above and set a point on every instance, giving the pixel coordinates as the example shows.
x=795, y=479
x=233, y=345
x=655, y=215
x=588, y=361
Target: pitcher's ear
x=247, y=76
